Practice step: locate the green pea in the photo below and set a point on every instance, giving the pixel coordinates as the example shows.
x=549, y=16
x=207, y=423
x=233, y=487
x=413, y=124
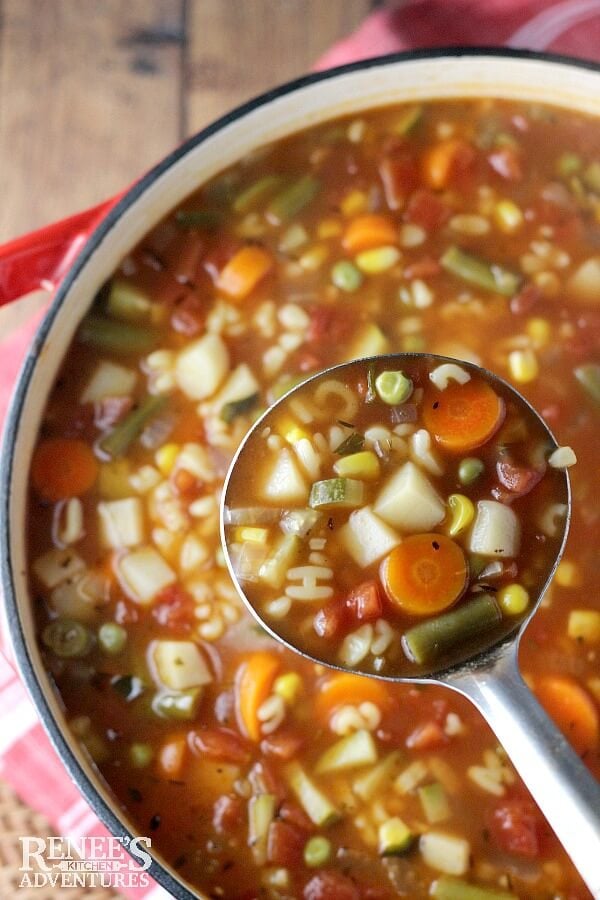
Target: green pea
x=414, y=343
x=112, y=638
x=568, y=164
x=346, y=276
x=470, y=469
x=317, y=851
x=67, y=638
x=140, y=755
x=393, y=387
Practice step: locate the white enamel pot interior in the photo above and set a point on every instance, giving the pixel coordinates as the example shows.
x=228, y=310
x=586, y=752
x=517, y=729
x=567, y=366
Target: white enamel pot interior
x=408, y=77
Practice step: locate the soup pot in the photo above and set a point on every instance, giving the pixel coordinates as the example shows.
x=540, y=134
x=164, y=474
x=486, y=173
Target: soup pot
x=82, y=252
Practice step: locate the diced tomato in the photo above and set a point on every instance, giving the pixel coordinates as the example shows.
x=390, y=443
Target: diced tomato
x=219, y=743
x=174, y=608
x=426, y=210
x=182, y=256
x=228, y=813
x=291, y=812
x=523, y=302
x=285, y=844
x=186, y=484
x=506, y=163
x=331, y=618
x=283, y=744
x=265, y=780
x=516, y=825
x=126, y=613
x=331, y=325
x=519, y=480
x=309, y=362
x=427, y=736
x=400, y=176
x=364, y=602
x=331, y=885
x=188, y=315
x=427, y=267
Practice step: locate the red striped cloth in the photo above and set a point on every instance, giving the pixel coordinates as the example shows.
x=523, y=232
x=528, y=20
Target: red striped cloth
x=27, y=761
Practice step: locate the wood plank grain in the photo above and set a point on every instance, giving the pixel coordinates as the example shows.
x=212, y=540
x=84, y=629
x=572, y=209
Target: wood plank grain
x=236, y=49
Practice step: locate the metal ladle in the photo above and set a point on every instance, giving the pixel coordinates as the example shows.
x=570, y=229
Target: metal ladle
x=561, y=785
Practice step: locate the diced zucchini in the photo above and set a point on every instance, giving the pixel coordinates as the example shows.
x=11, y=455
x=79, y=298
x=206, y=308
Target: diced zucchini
x=369, y=340
x=336, y=493
x=411, y=777
x=202, y=366
x=355, y=750
x=121, y=522
x=179, y=665
x=57, y=566
x=181, y=705
x=128, y=302
x=109, y=379
x=446, y=888
x=363, y=465
x=395, y=837
x=235, y=408
x=496, y=530
x=353, y=444
x=377, y=778
x=285, y=482
x=261, y=812
x=315, y=804
x=299, y=521
x=145, y=573
x=409, y=501
x=445, y=852
x=274, y=570
x=367, y=538
x=434, y=802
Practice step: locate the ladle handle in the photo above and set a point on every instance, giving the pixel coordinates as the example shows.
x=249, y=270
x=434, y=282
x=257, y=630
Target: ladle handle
x=560, y=783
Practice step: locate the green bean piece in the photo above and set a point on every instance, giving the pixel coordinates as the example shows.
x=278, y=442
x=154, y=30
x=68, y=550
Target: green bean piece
x=259, y=190
x=431, y=639
x=588, y=377
x=288, y=203
x=129, y=687
x=235, y=408
x=591, y=177
x=112, y=638
x=346, y=276
x=140, y=755
x=127, y=302
x=393, y=388
x=203, y=219
x=182, y=705
x=446, y=888
x=408, y=120
x=116, y=337
x=489, y=276
x=118, y=441
x=67, y=638
x=317, y=851
x=470, y=469
x=568, y=164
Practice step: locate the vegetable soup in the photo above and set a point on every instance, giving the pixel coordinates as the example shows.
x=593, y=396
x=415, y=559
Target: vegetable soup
x=467, y=229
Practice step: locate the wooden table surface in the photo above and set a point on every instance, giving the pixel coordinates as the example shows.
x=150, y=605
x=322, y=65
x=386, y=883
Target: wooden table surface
x=92, y=94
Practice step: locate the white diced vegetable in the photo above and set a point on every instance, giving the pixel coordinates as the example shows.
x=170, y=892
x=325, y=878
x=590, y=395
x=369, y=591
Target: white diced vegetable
x=201, y=366
x=350, y=752
x=309, y=458
x=57, y=566
x=121, y=522
x=584, y=284
x=562, y=458
x=496, y=530
x=68, y=523
x=367, y=538
x=109, y=380
x=356, y=645
x=194, y=458
x=445, y=852
x=241, y=383
x=78, y=598
x=179, y=665
x=422, y=453
x=285, y=482
x=447, y=372
x=144, y=574
x=369, y=340
x=299, y=521
x=409, y=501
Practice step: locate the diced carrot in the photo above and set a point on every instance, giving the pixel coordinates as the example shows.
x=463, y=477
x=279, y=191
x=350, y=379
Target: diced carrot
x=573, y=710
x=444, y=160
x=425, y=574
x=171, y=756
x=369, y=231
x=350, y=689
x=463, y=416
x=253, y=685
x=243, y=271
x=62, y=468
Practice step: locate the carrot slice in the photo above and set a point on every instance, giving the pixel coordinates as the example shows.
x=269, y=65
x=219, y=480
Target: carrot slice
x=463, y=416
x=171, y=756
x=573, y=710
x=63, y=467
x=425, y=574
x=352, y=689
x=443, y=160
x=243, y=271
x=253, y=686
x=369, y=231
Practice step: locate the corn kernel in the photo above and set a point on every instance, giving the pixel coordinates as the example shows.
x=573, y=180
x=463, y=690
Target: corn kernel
x=288, y=687
x=508, y=217
x=540, y=331
x=463, y=513
x=313, y=259
x=250, y=533
x=362, y=465
x=513, y=599
x=328, y=228
x=584, y=625
x=568, y=574
x=291, y=431
x=523, y=366
x=548, y=283
x=354, y=202
x=379, y=259
x=165, y=458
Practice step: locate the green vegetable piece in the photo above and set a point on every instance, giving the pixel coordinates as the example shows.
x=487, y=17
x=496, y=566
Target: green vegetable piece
x=434, y=802
x=393, y=388
x=429, y=640
x=112, y=638
x=447, y=888
x=181, y=705
x=352, y=444
x=118, y=441
x=128, y=302
x=67, y=638
x=395, y=837
x=376, y=779
x=259, y=190
x=489, y=276
x=408, y=120
x=292, y=199
x=346, y=276
x=116, y=337
x=261, y=812
x=355, y=750
x=201, y=219
x=371, y=394
x=591, y=177
x=470, y=469
x=315, y=804
x=568, y=164
x=337, y=493
x=588, y=377
x=140, y=755
x=317, y=851
x=414, y=343
x=130, y=687
x=235, y=408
